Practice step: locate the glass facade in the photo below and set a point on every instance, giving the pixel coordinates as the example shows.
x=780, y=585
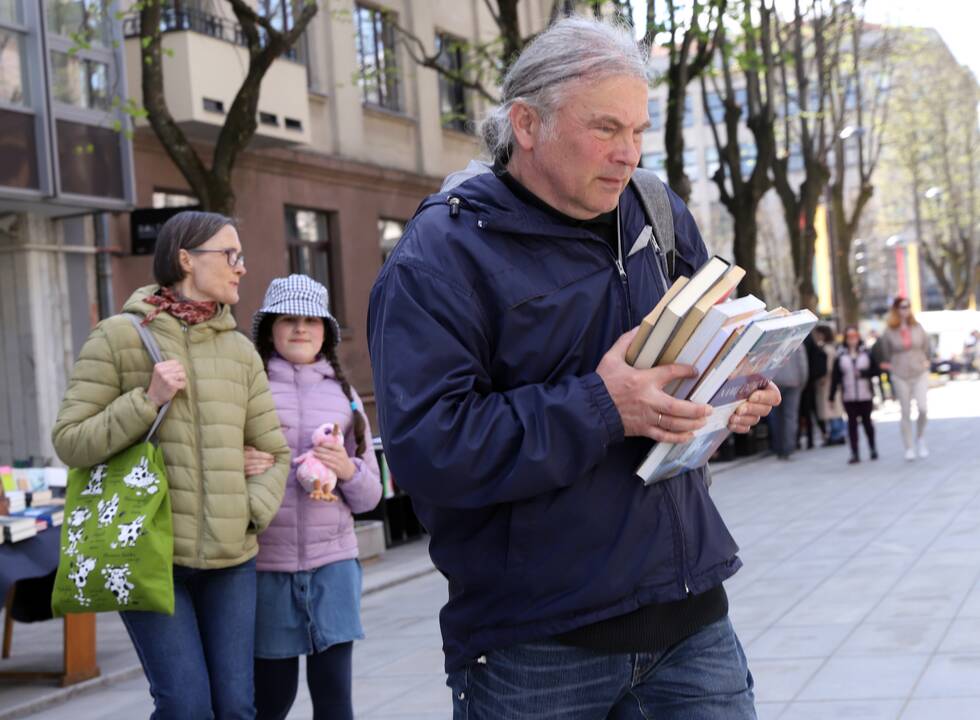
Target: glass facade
x=13, y=68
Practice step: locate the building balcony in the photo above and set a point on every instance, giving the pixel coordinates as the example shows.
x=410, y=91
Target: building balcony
x=205, y=62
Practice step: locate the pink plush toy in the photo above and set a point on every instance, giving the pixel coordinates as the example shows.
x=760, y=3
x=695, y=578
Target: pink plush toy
x=317, y=478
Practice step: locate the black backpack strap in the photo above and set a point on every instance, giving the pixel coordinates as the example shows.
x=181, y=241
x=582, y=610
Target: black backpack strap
x=656, y=205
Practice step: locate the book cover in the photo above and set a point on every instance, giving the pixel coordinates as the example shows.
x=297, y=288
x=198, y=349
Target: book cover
x=672, y=316
x=650, y=320
x=763, y=346
x=718, y=325
x=7, y=477
x=696, y=315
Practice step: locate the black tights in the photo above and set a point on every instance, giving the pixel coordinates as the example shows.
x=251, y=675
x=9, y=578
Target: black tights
x=859, y=410
x=328, y=675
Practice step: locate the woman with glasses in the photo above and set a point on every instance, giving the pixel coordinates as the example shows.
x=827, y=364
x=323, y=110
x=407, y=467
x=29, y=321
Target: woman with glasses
x=199, y=660
x=905, y=356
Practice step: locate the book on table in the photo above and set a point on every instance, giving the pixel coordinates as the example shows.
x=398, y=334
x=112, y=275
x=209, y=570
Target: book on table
x=748, y=364
x=647, y=347
x=17, y=528
x=54, y=515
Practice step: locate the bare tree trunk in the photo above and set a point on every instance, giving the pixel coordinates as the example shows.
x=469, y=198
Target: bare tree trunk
x=845, y=230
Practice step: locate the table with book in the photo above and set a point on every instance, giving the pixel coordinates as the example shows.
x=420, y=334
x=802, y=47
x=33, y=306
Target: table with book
x=30, y=533
x=736, y=346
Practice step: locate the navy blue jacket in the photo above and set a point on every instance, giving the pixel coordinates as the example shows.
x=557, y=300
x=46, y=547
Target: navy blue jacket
x=485, y=328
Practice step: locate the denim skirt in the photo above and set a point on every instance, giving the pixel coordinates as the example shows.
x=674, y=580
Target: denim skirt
x=302, y=613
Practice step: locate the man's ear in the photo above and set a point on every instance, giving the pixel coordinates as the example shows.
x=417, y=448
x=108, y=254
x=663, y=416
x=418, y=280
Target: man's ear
x=526, y=124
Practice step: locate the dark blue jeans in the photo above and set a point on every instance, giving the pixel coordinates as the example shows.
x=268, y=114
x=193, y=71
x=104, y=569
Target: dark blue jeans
x=199, y=661
x=704, y=677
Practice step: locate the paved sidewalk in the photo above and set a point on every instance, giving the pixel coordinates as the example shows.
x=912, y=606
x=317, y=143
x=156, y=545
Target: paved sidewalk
x=860, y=595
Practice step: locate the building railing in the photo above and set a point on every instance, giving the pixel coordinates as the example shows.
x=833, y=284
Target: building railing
x=178, y=19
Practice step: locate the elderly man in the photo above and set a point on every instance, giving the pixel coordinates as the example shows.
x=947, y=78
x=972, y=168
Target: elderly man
x=498, y=331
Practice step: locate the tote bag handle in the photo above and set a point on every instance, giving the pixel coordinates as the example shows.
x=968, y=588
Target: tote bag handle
x=150, y=343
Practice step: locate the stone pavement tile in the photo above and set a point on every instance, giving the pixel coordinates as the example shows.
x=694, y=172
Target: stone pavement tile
x=950, y=676
x=914, y=636
x=424, y=661
x=856, y=709
x=121, y=702
x=933, y=601
x=962, y=637
x=822, y=609
x=375, y=692
x=865, y=678
x=769, y=711
x=943, y=709
x=815, y=641
x=781, y=680
x=971, y=606
x=429, y=695
x=372, y=654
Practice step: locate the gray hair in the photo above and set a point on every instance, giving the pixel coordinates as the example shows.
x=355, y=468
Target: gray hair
x=574, y=49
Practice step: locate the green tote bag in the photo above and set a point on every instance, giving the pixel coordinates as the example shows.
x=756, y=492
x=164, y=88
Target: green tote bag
x=117, y=540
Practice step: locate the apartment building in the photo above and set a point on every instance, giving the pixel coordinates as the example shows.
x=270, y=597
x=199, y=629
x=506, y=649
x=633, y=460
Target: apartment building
x=352, y=135
x=62, y=166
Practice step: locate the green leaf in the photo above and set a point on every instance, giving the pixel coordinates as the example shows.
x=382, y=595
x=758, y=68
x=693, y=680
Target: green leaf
x=117, y=125
x=169, y=52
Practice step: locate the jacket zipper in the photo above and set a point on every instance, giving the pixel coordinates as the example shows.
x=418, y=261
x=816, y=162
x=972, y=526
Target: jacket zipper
x=680, y=530
x=192, y=397
x=300, y=499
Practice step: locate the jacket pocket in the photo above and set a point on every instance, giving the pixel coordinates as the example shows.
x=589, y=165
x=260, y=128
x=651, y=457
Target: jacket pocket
x=523, y=518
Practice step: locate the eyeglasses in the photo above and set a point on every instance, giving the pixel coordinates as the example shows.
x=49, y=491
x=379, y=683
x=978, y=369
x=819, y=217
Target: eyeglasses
x=233, y=257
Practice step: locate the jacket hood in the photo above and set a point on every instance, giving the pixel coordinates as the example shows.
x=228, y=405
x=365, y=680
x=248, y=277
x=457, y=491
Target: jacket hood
x=136, y=304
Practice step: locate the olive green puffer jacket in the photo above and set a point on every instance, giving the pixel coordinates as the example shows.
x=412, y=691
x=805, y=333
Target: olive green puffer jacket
x=217, y=510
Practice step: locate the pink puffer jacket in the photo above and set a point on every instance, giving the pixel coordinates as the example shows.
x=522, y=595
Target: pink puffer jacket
x=307, y=534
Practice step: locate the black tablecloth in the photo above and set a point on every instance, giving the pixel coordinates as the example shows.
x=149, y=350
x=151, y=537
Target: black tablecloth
x=32, y=558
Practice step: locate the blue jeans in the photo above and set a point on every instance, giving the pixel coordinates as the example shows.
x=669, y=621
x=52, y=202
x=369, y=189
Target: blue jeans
x=199, y=660
x=703, y=677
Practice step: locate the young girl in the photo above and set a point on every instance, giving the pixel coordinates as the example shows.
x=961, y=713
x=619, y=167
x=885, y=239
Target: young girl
x=852, y=373
x=309, y=580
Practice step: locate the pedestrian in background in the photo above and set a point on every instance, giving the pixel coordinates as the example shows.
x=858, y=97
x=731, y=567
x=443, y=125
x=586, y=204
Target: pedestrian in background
x=905, y=355
x=831, y=410
x=790, y=378
x=199, y=660
x=852, y=375
x=309, y=579
x=809, y=412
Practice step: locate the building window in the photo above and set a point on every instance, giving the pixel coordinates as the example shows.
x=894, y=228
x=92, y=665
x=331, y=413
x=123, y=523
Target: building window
x=13, y=68
x=88, y=20
x=280, y=14
x=711, y=161
x=390, y=232
x=78, y=82
x=167, y=199
x=308, y=244
x=655, y=161
x=653, y=110
x=453, y=109
x=692, y=168
x=378, y=76
x=688, y=112
x=747, y=155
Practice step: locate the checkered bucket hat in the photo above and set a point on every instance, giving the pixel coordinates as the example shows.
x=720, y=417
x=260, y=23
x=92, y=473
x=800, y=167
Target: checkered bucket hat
x=296, y=295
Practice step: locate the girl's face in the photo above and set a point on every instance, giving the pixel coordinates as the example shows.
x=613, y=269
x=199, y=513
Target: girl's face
x=853, y=338
x=298, y=338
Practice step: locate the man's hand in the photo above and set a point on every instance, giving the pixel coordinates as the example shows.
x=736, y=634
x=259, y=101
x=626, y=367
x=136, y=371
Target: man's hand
x=639, y=397
x=256, y=461
x=758, y=406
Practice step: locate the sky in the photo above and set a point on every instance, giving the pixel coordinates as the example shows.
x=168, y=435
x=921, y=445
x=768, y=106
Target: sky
x=957, y=21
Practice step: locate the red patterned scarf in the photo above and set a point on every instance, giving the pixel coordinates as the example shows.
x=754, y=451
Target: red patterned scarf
x=190, y=311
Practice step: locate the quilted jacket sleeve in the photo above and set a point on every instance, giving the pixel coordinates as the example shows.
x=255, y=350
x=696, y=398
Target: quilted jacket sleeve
x=363, y=491
x=262, y=432
x=96, y=419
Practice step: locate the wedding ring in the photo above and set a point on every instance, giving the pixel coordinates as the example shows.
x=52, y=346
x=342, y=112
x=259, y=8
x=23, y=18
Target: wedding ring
x=659, y=418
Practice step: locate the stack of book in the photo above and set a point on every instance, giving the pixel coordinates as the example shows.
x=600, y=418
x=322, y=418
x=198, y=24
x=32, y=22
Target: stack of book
x=15, y=529
x=735, y=345
x=51, y=515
